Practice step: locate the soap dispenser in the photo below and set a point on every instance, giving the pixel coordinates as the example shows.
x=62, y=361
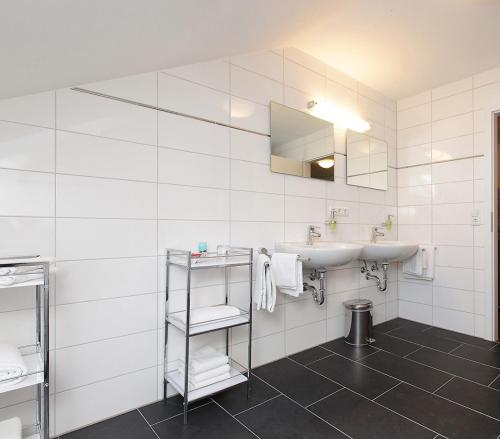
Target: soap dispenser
x=332, y=222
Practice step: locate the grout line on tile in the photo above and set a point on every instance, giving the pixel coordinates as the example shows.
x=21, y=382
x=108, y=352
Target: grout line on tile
x=410, y=353
x=494, y=379
x=368, y=399
x=147, y=423
x=420, y=388
x=324, y=397
x=305, y=408
x=442, y=352
x=236, y=419
x=387, y=391
x=257, y=405
x=455, y=348
x=178, y=414
x=442, y=385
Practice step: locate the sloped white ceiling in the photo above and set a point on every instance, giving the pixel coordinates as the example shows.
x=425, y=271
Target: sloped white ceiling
x=47, y=44
x=399, y=47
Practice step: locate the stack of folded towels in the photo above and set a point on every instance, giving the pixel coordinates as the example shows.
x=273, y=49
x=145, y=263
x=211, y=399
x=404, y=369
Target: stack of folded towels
x=11, y=429
x=12, y=366
x=208, y=314
x=19, y=275
x=206, y=366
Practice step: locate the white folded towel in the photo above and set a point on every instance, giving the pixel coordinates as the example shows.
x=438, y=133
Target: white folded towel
x=14, y=279
x=208, y=313
x=11, y=429
x=265, y=287
x=205, y=359
x=12, y=365
x=421, y=264
x=203, y=376
x=20, y=270
x=287, y=273
x=200, y=384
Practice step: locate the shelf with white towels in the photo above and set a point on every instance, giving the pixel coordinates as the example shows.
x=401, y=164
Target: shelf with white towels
x=236, y=372
x=33, y=375
x=177, y=319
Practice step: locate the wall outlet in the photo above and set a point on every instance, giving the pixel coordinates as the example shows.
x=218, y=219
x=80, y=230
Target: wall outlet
x=339, y=211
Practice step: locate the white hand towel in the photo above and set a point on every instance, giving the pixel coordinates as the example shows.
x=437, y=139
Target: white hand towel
x=203, y=363
x=11, y=429
x=287, y=273
x=421, y=264
x=265, y=287
x=12, y=365
x=208, y=313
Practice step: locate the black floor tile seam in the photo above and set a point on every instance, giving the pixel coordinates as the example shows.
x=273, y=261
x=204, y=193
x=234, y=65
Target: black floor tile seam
x=289, y=397
x=444, y=384
x=330, y=353
x=256, y=405
x=374, y=400
x=497, y=378
x=450, y=373
x=409, y=353
x=387, y=391
x=431, y=393
x=174, y=416
x=305, y=408
x=494, y=347
x=324, y=397
x=236, y=419
x=456, y=356
x=412, y=385
x=145, y=420
x=458, y=347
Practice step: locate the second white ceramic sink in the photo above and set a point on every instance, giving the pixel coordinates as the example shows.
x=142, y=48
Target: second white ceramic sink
x=387, y=251
x=322, y=253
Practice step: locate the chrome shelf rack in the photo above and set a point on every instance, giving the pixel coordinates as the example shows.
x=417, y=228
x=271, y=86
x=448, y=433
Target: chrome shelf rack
x=224, y=258
x=36, y=356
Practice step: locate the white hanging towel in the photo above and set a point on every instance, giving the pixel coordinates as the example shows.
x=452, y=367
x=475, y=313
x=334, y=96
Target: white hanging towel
x=12, y=366
x=286, y=269
x=265, y=287
x=11, y=429
x=421, y=264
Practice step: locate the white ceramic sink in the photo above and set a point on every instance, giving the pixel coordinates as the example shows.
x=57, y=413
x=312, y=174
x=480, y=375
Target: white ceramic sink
x=387, y=251
x=322, y=253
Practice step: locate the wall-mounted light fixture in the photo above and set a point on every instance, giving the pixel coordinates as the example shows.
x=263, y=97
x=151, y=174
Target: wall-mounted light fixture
x=326, y=163
x=341, y=117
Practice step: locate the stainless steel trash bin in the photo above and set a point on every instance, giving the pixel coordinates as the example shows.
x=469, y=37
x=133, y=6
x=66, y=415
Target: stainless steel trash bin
x=358, y=322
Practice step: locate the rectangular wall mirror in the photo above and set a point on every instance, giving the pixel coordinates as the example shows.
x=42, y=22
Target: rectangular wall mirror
x=301, y=144
x=366, y=161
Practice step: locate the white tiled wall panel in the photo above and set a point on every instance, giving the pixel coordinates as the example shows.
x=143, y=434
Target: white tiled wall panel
x=105, y=186
x=454, y=299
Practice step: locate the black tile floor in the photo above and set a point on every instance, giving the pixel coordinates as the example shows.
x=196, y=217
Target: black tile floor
x=415, y=381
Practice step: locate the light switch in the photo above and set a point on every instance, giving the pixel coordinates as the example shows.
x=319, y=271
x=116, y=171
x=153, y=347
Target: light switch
x=476, y=217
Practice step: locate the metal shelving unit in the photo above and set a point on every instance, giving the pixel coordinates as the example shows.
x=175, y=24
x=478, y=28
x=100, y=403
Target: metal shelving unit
x=225, y=258
x=36, y=356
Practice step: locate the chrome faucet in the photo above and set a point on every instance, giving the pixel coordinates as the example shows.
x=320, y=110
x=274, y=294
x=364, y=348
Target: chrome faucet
x=376, y=233
x=312, y=233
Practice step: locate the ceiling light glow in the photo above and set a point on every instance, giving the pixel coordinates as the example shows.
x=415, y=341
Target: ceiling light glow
x=344, y=118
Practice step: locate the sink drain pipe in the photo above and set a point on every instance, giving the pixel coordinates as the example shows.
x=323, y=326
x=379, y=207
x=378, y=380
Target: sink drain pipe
x=317, y=294
x=369, y=274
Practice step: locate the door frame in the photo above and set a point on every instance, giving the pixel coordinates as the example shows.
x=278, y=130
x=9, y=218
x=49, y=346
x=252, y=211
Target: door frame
x=488, y=119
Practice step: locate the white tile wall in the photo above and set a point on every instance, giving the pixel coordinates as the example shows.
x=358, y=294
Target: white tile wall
x=439, y=199
x=105, y=186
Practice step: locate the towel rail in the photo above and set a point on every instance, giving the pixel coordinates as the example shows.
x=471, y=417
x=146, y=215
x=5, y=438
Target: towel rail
x=264, y=251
